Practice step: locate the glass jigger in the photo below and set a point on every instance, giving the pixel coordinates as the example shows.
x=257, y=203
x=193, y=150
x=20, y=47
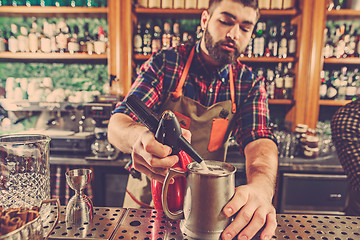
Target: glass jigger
x=80, y=208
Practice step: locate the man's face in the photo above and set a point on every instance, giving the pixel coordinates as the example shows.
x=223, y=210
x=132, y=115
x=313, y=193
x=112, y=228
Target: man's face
x=227, y=31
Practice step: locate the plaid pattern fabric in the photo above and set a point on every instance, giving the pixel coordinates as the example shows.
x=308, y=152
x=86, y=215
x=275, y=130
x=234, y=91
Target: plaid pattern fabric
x=159, y=76
x=345, y=131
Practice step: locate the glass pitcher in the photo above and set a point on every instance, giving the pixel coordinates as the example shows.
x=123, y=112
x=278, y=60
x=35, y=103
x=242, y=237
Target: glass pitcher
x=24, y=170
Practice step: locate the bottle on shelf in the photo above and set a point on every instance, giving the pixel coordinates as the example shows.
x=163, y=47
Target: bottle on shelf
x=276, y=4
x=45, y=42
x=351, y=87
x=179, y=4
x=270, y=83
x=332, y=88
x=147, y=39
x=175, y=41
x=283, y=42
x=203, y=4
x=343, y=81
x=73, y=44
x=279, y=82
x=156, y=39
x=324, y=78
x=167, y=4
x=33, y=37
x=190, y=4
x=154, y=4
x=272, y=44
x=52, y=36
x=199, y=33
x=138, y=41
x=46, y=3
x=23, y=40
x=86, y=43
x=100, y=43
x=259, y=40
x=289, y=79
x=62, y=36
x=264, y=4
x=13, y=41
x=166, y=37
x=292, y=40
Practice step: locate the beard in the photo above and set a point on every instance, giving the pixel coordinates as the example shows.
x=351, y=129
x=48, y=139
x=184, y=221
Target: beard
x=217, y=53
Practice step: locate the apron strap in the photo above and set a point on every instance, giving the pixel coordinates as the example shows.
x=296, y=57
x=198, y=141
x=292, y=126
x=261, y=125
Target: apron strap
x=232, y=90
x=179, y=89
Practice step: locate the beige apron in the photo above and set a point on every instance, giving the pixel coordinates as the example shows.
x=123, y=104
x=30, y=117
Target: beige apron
x=210, y=129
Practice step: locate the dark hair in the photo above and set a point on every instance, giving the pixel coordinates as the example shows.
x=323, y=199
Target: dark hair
x=247, y=3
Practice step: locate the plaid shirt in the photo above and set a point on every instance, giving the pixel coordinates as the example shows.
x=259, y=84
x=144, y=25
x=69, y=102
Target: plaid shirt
x=160, y=75
x=345, y=131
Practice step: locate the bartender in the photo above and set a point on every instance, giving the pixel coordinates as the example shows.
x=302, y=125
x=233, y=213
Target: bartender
x=213, y=96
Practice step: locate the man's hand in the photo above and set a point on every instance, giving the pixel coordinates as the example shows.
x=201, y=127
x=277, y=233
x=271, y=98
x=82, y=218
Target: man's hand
x=254, y=210
x=153, y=158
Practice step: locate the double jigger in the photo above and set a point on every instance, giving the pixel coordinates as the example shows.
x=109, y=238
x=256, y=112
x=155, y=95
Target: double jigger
x=80, y=208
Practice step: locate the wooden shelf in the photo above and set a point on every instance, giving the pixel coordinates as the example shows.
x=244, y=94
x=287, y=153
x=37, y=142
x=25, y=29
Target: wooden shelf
x=141, y=57
x=333, y=102
x=281, y=101
x=53, y=56
x=344, y=13
x=197, y=12
x=54, y=11
x=349, y=60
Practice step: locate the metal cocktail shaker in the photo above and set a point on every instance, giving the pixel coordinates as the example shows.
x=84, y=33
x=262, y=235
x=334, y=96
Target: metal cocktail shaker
x=207, y=192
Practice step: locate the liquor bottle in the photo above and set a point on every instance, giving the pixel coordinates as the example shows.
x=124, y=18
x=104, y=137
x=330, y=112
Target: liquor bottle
x=62, y=37
x=339, y=41
x=138, y=42
x=86, y=43
x=249, y=48
x=270, y=83
x=185, y=38
x=259, y=40
x=33, y=37
x=52, y=36
x=289, y=78
x=167, y=4
x=46, y=3
x=166, y=37
x=272, y=44
x=45, y=42
x=292, y=41
x=343, y=80
x=276, y=4
x=289, y=4
x=142, y=3
x=16, y=3
x=13, y=41
x=264, y=4
x=156, y=39
x=190, y=4
x=332, y=88
x=154, y=4
x=175, y=41
x=59, y=3
x=203, y=4
x=179, y=4
x=351, y=86
x=323, y=84
x=147, y=39
x=73, y=44
x=23, y=40
x=279, y=82
x=328, y=50
x=350, y=42
x=100, y=43
x=283, y=43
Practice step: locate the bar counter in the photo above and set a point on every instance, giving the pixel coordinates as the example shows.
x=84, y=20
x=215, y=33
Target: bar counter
x=121, y=223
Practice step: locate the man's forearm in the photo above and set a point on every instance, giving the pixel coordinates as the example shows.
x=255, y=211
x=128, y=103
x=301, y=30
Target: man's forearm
x=123, y=131
x=262, y=164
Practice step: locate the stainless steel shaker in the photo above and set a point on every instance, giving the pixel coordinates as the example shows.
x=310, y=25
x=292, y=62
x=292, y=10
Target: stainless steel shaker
x=207, y=192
